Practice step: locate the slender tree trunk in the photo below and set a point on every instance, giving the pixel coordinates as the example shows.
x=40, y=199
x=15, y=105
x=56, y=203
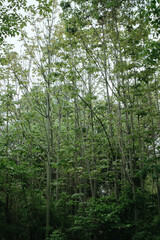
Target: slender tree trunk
x=48, y=128
x=58, y=148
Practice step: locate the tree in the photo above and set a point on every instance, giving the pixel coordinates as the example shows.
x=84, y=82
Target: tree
x=79, y=139
x=11, y=20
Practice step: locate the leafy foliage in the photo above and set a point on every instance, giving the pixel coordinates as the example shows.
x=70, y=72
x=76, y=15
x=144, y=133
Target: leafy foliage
x=79, y=119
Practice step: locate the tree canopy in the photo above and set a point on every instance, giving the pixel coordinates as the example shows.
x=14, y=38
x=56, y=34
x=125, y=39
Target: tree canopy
x=80, y=121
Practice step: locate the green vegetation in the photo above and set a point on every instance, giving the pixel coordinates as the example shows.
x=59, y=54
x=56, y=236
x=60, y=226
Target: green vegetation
x=80, y=121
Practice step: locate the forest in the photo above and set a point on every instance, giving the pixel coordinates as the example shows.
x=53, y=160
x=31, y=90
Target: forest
x=80, y=120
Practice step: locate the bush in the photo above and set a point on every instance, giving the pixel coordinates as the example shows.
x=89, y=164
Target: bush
x=57, y=235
